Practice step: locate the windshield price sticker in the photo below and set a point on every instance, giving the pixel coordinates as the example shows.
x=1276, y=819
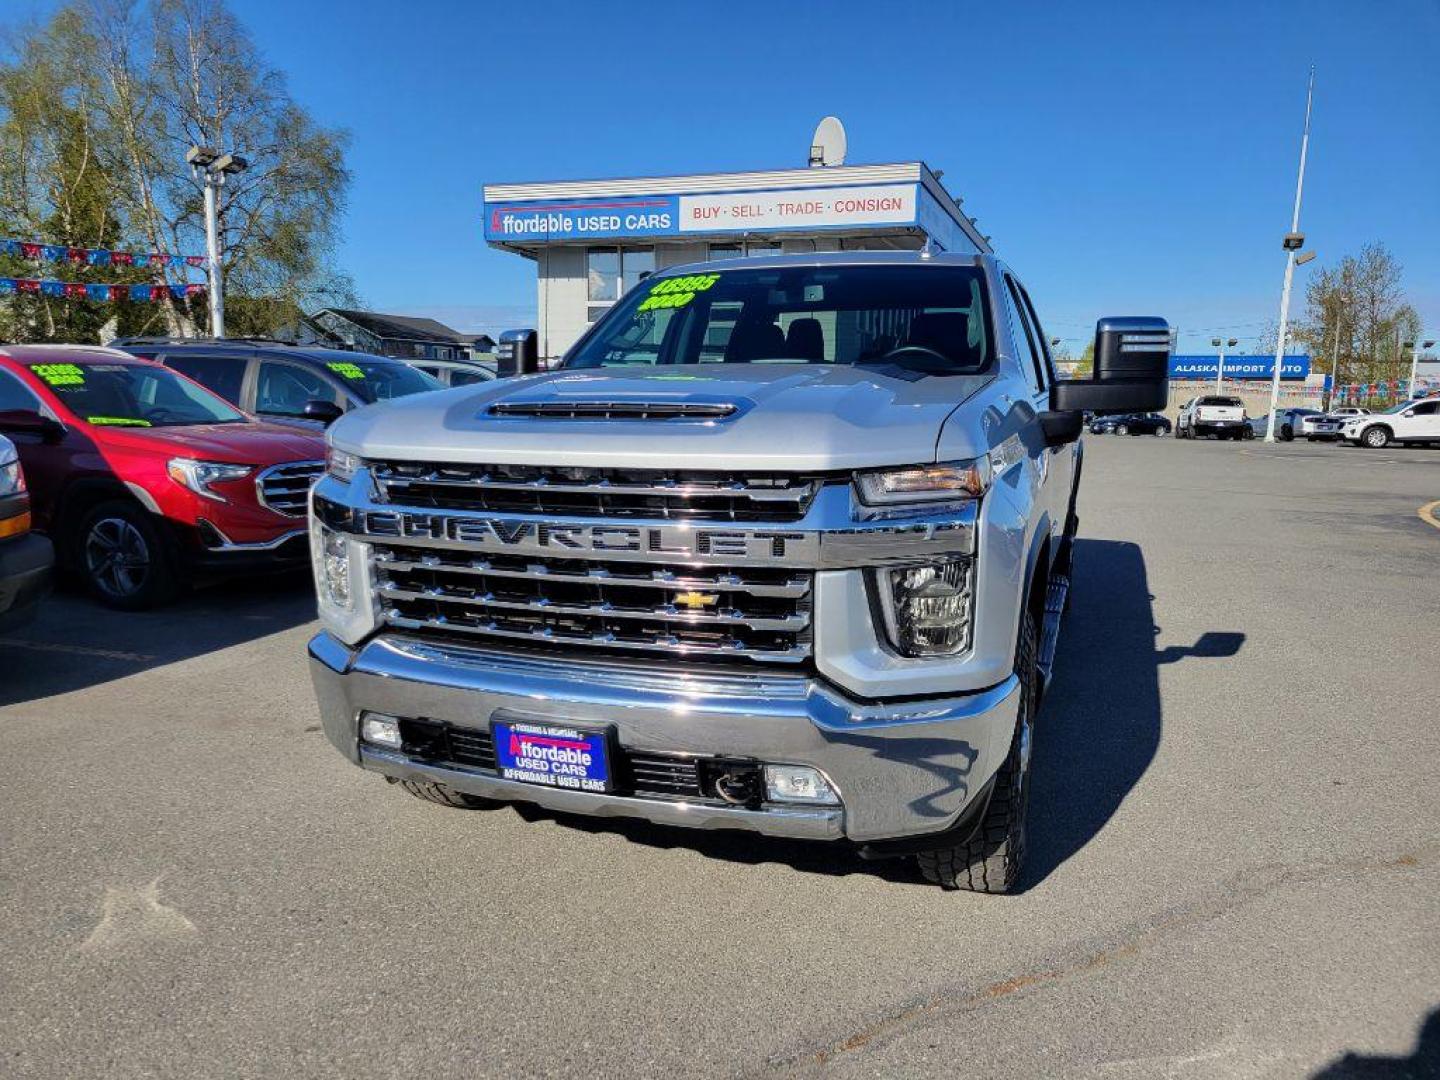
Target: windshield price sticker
x=677, y=292
x=117, y=421
x=60, y=374
x=553, y=755
x=347, y=370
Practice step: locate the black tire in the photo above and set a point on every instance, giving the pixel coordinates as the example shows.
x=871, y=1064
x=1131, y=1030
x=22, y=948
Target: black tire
x=992, y=859
x=1287, y=433
x=125, y=557
x=438, y=793
x=1376, y=437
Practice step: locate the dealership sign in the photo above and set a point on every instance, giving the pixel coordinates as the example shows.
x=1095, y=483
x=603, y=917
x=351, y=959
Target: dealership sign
x=1238, y=367
x=856, y=206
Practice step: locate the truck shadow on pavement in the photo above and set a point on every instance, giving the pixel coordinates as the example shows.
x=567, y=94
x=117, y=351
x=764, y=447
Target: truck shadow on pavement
x=1096, y=734
x=1422, y=1063
x=1099, y=727
x=75, y=642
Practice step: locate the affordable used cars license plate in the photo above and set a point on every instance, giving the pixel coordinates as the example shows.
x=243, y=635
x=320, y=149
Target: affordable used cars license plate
x=556, y=755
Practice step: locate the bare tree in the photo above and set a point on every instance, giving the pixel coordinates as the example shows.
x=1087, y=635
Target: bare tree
x=1356, y=314
x=133, y=84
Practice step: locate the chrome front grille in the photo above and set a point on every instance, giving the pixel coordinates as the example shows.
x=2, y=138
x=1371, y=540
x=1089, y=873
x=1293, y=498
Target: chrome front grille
x=760, y=613
x=593, y=492
x=286, y=488
x=614, y=410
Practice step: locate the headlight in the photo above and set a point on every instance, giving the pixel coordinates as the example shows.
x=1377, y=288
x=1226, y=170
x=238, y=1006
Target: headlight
x=340, y=464
x=953, y=481
x=199, y=475
x=927, y=608
x=12, y=479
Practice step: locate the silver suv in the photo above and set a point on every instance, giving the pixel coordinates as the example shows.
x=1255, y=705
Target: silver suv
x=783, y=546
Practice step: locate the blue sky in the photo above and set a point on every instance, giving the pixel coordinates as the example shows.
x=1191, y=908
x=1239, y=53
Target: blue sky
x=1126, y=158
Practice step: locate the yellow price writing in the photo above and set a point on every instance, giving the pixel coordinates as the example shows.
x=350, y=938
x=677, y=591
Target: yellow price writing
x=676, y=292
x=346, y=370
x=117, y=421
x=60, y=374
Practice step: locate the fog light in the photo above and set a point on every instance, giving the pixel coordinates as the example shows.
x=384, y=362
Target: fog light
x=798, y=784
x=380, y=729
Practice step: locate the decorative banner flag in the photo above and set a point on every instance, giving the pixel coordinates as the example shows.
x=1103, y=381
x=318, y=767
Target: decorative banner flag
x=95, y=256
x=79, y=290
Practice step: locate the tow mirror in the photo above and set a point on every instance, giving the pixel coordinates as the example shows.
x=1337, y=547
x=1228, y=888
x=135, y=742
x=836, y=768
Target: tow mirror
x=30, y=422
x=1132, y=369
x=327, y=412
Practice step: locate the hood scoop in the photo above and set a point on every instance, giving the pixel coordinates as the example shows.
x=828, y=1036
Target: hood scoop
x=615, y=410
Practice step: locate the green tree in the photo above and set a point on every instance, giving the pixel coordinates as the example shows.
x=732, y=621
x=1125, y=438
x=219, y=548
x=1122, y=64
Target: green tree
x=1356, y=316
x=97, y=108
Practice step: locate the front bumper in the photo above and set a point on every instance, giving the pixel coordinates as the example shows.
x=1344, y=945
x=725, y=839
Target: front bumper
x=901, y=769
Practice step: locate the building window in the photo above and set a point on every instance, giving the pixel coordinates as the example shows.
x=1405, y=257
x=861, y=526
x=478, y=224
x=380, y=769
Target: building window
x=611, y=272
x=725, y=251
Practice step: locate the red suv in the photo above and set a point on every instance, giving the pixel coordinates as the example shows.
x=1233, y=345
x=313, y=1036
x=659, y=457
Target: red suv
x=144, y=479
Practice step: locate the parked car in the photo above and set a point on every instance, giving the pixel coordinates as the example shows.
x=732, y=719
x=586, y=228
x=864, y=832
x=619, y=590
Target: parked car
x=290, y=384
x=1287, y=423
x=1211, y=414
x=1329, y=425
x=145, y=480
x=1131, y=424
x=25, y=556
x=644, y=587
x=454, y=372
x=1405, y=422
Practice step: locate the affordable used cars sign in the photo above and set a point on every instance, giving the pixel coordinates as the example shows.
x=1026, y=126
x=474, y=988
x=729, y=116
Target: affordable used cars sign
x=728, y=212
x=1238, y=367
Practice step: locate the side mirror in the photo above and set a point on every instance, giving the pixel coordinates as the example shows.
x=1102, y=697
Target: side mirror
x=1061, y=428
x=327, y=412
x=29, y=422
x=1132, y=369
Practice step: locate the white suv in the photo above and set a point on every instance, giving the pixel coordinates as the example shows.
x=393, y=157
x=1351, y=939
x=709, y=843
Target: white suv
x=1329, y=425
x=1408, y=422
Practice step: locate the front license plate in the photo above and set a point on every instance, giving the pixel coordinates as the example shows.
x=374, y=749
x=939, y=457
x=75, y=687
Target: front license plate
x=556, y=755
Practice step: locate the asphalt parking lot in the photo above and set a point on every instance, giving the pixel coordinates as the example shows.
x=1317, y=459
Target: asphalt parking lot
x=1234, y=867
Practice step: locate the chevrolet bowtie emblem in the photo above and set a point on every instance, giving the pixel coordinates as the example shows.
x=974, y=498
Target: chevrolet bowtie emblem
x=697, y=600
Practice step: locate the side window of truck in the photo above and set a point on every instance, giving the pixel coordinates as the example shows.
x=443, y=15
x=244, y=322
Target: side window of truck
x=1047, y=372
x=1024, y=336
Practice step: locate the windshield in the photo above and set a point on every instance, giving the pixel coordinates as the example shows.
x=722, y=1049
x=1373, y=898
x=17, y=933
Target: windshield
x=930, y=318
x=1398, y=407
x=133, y=395
x=372, y=379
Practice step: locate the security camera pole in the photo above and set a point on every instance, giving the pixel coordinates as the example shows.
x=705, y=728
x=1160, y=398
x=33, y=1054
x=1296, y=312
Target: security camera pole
x=211, y=166
x=1415, y=347
x=1294, y=241
x=1221, y=344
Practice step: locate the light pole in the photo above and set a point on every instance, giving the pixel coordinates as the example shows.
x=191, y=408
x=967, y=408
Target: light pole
x=1294, y=241
x=1414, y=347
x=211, y=167
x=1220, y=367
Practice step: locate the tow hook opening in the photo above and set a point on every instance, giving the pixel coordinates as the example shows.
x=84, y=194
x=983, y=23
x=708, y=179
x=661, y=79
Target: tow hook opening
x=737, y=783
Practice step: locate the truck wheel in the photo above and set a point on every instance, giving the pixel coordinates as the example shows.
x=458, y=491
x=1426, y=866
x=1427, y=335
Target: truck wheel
x=439, y=793
x=990, y=861
x=124, y=557
x=1376, y=438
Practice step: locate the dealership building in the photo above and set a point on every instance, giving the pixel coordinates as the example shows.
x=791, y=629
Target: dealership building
x=591, y=240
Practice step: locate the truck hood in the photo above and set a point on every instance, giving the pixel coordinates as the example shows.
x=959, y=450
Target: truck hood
x=781, y=417
x=251, y=443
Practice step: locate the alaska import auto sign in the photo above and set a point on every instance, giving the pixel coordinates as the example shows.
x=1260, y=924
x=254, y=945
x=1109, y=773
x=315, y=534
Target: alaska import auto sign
x=1295, y=366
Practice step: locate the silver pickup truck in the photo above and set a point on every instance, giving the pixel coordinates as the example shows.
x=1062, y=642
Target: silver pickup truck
x=783, y=545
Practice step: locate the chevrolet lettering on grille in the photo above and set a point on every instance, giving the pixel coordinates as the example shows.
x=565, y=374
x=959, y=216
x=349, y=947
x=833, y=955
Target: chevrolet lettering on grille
x=521, y=536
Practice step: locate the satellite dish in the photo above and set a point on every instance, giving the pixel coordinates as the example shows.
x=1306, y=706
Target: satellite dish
x=827, y=146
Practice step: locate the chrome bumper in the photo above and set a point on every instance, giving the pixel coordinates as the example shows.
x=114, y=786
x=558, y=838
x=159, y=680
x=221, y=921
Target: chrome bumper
x=901, y=769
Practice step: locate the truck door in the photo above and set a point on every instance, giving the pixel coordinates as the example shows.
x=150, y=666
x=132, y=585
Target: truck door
x=1058, y=462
